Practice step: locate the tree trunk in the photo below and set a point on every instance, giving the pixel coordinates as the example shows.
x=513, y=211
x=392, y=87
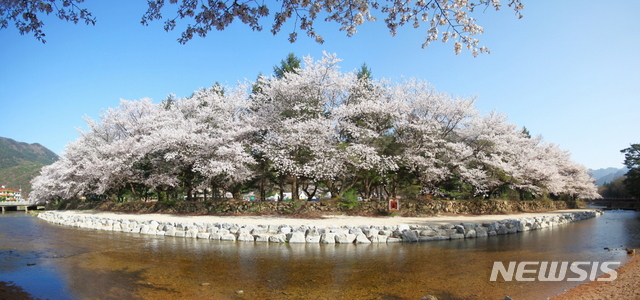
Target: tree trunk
x=204, y=193
x=310, y=194
x=281, y=192
x=295, y=192
x=133, y=191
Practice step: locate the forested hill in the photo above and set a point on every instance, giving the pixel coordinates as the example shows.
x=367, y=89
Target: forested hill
x=21, y=162
x=603, y=176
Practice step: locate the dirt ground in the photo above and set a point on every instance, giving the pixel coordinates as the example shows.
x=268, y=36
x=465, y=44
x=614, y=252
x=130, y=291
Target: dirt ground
x=8, y=291
x=626, y=286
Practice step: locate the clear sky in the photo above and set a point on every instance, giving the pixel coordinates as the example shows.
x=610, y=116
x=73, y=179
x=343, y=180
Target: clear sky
x=568, y=70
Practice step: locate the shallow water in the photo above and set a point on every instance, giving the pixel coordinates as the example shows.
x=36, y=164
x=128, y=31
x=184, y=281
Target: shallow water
x=57, y=262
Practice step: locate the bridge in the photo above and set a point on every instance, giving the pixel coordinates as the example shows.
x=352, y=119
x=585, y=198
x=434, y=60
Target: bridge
x=616, y=203
x=18, y=205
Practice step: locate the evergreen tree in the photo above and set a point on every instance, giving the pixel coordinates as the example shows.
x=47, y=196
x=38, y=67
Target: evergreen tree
x=287, y=65
x=632, y=161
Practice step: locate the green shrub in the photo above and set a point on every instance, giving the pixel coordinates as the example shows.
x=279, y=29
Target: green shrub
x=349, y=199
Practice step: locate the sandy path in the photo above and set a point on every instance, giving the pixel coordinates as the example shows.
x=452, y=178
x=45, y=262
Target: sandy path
x=326, y=221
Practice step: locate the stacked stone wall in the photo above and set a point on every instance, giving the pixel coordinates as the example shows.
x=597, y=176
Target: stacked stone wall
x=363, y=234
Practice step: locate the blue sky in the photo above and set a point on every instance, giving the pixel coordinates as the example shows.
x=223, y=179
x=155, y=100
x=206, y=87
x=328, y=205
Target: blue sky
x=568, y=70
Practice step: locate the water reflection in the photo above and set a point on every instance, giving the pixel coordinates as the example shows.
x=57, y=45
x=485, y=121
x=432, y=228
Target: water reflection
x=89, y=264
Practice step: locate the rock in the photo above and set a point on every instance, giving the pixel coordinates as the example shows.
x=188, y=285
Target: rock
x=355, y=231
x=470, y=234
x=339, y=231
x=385, y=232
x=409, y=236
x=456, y=236
x=278, y=238
x=312, y=236
x=362, y=239
x=243, y=231
x=296, y=238
x=285, y=229
x=203, y=235
x=228, y=237
x=429, y=297
x=469, y=226
x=261, y=237
x=379, y=238
x=328, y=238
x=312, y=239
x=448, y=232
x=428, y=232
x=402, y=227
x=345, y=238
x=246, y=237
x=502, y=229
x=273, y=229
x=192, y=233
x=259, y=230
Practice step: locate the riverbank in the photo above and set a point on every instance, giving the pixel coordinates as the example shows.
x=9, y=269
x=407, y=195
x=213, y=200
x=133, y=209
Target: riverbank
x=626, y=285
x=328, y=229
x=10, y=291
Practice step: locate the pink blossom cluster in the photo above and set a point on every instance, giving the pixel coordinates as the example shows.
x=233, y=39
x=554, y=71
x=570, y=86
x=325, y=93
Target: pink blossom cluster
x=316, y=128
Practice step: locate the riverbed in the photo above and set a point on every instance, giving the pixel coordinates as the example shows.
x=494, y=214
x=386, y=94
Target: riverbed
x=58, y=262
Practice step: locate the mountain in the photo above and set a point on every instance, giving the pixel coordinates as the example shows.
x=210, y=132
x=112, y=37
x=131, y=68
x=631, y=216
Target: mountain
x=21, y=162
x=607, y=175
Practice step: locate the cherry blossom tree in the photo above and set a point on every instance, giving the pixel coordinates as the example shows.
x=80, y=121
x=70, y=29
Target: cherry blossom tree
x=446, y=19
x=427, y=131
x=291, y=113
x=312, y=127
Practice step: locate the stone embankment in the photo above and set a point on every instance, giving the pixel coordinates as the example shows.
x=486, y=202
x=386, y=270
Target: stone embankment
x=363, y=234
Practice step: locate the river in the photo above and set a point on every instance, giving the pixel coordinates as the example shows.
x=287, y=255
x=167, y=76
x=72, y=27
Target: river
x=57, y=262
